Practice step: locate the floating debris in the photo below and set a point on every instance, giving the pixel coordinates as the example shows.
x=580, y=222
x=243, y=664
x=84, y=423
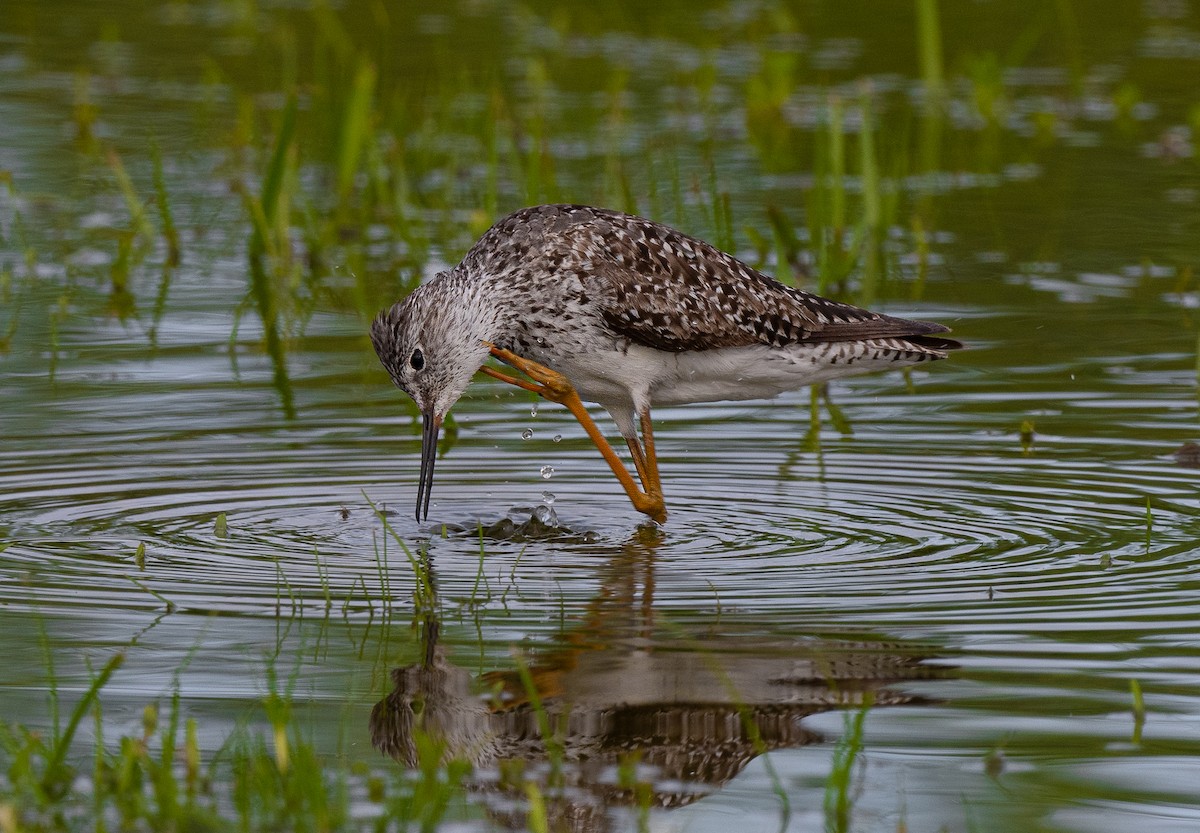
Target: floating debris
x=1027, y=435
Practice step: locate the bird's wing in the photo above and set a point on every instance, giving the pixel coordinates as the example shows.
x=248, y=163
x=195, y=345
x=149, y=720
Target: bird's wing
x=666, y=290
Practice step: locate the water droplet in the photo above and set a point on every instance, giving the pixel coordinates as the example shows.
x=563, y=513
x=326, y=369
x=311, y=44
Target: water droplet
x=548, y=498
x=545, y=516
x=558, y=438
x=547, y=472
x=533, y=410
x=527, y=434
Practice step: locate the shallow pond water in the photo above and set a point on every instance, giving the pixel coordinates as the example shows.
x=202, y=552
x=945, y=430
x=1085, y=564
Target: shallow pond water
x=1002, y=544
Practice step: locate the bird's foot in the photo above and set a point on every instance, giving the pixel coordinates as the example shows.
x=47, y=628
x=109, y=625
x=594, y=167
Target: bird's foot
x=652, y=505
x=551, y=384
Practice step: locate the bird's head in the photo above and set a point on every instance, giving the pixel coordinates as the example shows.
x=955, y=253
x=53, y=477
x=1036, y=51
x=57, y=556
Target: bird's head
x=431, y=343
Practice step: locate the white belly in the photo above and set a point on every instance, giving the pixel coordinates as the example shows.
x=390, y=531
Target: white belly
x=641, y=374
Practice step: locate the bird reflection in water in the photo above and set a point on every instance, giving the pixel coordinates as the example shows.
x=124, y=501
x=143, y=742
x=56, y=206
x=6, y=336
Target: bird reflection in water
x=687, y=708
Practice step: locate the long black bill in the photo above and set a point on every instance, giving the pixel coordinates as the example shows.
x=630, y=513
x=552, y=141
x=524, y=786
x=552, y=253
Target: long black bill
x=430, y=427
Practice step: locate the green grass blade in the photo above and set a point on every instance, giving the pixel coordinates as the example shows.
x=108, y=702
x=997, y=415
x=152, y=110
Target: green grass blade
x=278, y=167
x=170, y=233
x=929, y=48
x=56, y=764
x=137, y=208
x=839, y=799
x=355, y=128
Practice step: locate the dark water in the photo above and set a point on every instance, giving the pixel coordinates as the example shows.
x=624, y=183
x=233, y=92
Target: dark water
x=994, y=595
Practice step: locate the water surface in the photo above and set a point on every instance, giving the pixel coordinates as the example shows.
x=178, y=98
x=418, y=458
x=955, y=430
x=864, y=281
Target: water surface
x=992, y=593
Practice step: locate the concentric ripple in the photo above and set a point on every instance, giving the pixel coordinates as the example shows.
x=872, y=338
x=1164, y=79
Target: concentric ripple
x=923, y=504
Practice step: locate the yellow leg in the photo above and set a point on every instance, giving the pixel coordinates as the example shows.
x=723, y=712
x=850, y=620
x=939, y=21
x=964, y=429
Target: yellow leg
x=552, y=385
x=639, y=458
x=645, y=460
x=654, y=484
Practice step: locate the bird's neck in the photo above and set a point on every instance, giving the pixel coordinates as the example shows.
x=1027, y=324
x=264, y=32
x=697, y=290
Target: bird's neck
x=485, y=305
x=481, y=307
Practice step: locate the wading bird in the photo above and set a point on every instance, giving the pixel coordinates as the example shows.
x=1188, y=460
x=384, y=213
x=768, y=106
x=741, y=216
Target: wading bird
x=599, y=305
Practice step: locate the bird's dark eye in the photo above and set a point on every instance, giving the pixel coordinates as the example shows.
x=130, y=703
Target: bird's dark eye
x=417, y=360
